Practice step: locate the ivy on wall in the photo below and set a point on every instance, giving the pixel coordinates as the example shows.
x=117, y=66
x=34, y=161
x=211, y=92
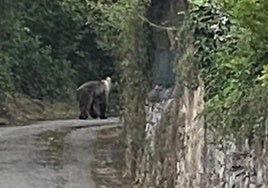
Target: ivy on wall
x=232, y=56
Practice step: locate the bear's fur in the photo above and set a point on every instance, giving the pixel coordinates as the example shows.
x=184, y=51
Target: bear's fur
x=92, y=97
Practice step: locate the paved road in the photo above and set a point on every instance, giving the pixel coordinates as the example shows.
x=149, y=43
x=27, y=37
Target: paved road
x=51, y=154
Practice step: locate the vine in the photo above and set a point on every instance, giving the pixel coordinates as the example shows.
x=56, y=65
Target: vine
x=121, y=31
x=233, y=66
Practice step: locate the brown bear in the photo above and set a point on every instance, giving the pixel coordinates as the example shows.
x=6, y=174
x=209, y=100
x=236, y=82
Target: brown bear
x=92, y=97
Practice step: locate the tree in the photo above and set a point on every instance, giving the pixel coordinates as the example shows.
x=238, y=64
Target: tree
x=47, y=47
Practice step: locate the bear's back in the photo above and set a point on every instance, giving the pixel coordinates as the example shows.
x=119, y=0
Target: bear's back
x=94, y=87
x=90, y=85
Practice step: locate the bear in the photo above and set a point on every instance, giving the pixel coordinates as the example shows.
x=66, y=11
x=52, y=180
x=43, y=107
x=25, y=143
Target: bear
x=93, y=98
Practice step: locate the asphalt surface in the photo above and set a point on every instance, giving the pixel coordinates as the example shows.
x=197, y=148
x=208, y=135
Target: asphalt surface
x=51, y=154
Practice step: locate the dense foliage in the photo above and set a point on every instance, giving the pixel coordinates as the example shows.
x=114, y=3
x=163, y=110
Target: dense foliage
x=231, y=52
x=48, y=47
x=121, y=30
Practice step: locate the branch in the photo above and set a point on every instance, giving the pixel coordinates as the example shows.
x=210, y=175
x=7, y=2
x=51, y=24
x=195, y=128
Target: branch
x=159, y=26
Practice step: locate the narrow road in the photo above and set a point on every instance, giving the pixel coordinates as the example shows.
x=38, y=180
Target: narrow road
x=51, y=154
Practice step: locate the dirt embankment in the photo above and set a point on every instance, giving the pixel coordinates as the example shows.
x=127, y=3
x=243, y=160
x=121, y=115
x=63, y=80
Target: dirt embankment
x=18, y=110
x=108, y=166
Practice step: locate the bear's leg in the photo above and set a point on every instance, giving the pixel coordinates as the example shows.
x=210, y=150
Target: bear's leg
x=83, y=99
x=93, y=111
x=83, y=105
x=91, y=108
x=103, y=106
x=83, y=116
x=83, y=112
x=103, y=109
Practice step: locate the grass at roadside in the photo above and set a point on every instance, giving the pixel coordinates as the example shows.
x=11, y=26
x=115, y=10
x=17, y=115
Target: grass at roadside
x=107, y=168
x=21, y=110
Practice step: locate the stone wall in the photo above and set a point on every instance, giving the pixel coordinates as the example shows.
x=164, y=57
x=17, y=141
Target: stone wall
x=177, y=152
x=230, y=166
x=173, y=152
